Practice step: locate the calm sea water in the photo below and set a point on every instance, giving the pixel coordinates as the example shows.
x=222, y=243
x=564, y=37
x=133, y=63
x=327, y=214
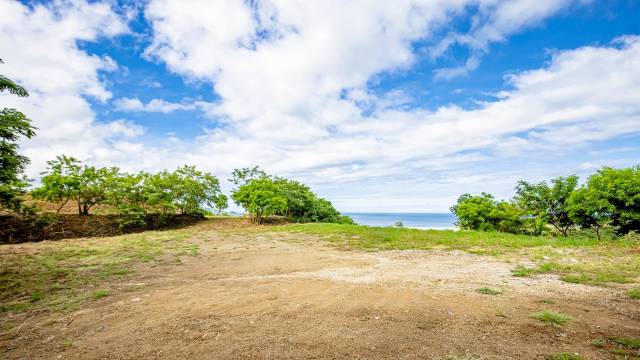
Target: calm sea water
x=414, y=220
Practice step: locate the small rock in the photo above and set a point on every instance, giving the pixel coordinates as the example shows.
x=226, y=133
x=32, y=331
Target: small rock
x=136, y=299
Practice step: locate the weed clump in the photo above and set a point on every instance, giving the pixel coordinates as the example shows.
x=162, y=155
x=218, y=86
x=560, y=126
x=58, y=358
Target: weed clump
x=523, y=271
x=551, y=317
x=488, y=291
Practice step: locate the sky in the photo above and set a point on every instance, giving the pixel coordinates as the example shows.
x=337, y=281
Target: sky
x=379, y=106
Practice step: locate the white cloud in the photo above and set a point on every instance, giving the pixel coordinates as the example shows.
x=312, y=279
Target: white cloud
x=39, y=46
x=293, y=79
x=161, y=106
x=494, y=22
x=284, y=92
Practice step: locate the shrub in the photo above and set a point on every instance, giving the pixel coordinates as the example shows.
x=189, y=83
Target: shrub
x=551, y=317
x=266, y=195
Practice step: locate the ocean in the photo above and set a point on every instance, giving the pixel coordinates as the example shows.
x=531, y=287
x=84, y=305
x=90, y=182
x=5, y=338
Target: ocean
x=413, y=220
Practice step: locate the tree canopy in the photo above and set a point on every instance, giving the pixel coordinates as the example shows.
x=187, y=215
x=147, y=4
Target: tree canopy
x=134, y=196
x=610, y=197
x=14, y=125
x=264, y=195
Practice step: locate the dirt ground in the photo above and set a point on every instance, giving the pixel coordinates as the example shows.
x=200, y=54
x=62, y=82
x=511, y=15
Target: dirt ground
x=281, y=295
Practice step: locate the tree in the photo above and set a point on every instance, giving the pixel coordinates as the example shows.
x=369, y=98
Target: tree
x=60, y=183
x=620, y=188
x=129, y=196
x=301, y=204
x=7, y=84
x=260, y=198
x=484, y=212
x=243, y=176
x=193, y=188
x=589, y=210
x=221, y=202
x=474, y=212
x=548, y=203
x=13, y=126
x=67, y=179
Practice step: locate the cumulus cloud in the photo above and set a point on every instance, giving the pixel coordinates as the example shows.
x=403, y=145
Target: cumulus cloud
x=494, y=22
x=39, y=45
x=294, y=80
x=158, y=105
x=284, y=91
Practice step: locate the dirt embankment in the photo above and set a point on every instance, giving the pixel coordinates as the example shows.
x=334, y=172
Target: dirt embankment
x=48, y=226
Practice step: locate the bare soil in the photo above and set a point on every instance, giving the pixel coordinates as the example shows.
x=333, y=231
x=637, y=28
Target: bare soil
x=280, y=295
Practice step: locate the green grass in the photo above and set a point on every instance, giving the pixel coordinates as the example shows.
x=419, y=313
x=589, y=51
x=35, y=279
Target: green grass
x=62, y=275
x=551, y=317
x=634, y=294
x=523, y=271
x=367, y=237
x=599, y=343
x=632, y=343
x=564, y=356
x=488, y=291
x=99, y=294
x=580, y=258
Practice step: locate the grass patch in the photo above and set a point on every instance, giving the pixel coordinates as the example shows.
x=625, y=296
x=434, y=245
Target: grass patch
x=634, y=294
x=564, y=356
x=523, y=271
x=625, y=347
x=547, y=301
x=369, y=237
x=631, y=343
x=488, y=291
x=599, y=343
x=579, y=258
x=62, y=275
x=99, y=294
x=551, y=317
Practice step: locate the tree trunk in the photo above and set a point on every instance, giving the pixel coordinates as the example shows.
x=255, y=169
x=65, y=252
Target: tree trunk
x=61, y=206
x=597, y=228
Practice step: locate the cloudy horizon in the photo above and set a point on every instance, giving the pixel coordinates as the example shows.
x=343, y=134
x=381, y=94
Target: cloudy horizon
x=378, y=106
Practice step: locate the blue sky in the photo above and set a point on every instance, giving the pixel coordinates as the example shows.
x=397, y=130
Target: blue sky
x=379, y=106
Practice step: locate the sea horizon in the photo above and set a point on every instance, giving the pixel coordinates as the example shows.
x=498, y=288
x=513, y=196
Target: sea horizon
x=416, y=220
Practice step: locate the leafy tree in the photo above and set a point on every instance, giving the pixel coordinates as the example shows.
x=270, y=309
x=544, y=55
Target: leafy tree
x=193, y=188
x=220, y=203
x=260, y=197
x=60, y=183
x=620, y=188
x=67, y=179
x=474, y=212
x=13, y=126
x=129, y=196
x=548, y=203
x=589, y=209
x=300, y=203
x=484, y=212
x=244, y=175
x=507, y=217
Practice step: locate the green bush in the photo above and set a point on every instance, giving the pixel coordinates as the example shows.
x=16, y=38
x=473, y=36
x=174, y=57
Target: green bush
x=483, y=212
x=264, y=195
x=133, y=196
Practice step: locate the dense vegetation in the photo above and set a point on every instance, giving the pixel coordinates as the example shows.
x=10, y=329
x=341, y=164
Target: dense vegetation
x=13, y=126
x=134, y=197
x=610, y=197
x=262, y=195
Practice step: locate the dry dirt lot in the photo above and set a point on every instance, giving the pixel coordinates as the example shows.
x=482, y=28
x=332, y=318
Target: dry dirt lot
x=282, y=295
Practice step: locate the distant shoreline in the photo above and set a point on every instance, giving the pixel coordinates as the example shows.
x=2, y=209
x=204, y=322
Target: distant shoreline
x=423, y=221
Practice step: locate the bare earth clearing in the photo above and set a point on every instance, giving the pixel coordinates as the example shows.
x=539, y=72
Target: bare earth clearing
x=281, y=295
